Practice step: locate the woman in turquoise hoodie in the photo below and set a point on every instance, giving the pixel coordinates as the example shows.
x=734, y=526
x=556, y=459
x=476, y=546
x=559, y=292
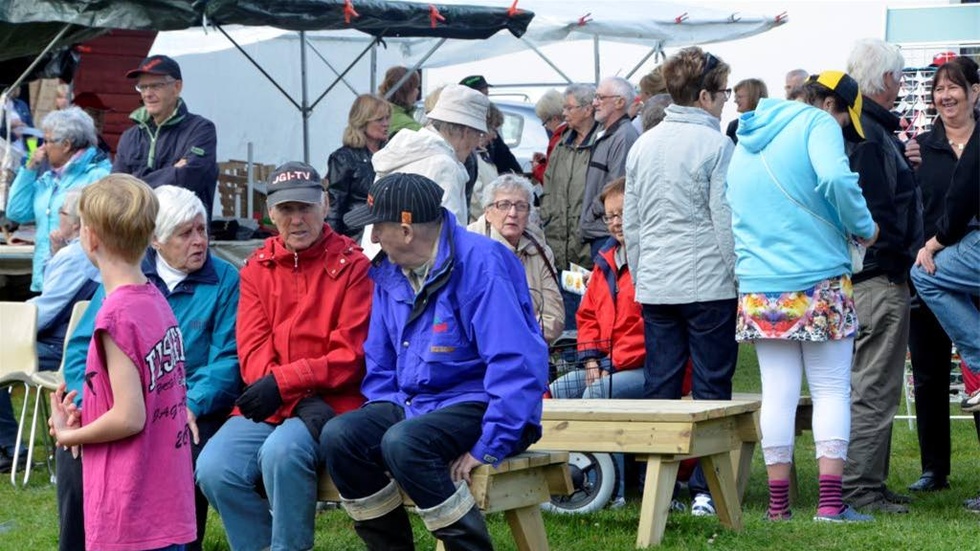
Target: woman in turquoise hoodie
x=794, y=202
x=68, y=159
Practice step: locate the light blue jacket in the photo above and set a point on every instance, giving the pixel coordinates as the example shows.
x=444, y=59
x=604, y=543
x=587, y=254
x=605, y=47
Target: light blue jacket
x=205, y=305
x=779, y=246
x=37, y=198
x=469, y=335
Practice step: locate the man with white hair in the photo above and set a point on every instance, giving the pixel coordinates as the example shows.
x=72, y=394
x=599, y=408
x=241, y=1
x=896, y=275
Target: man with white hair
x=881, y=290
x=612, y=100
x=794, y=83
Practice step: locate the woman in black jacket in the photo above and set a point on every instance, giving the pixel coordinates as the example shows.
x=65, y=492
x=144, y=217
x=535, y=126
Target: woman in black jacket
x=948, y=177
x=349, y=169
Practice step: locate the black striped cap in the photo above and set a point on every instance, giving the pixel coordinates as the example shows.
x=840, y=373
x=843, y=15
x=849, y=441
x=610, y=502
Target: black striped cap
x=401, y=198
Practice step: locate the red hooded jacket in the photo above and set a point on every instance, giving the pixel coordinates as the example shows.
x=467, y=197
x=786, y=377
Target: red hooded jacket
x=304, y=317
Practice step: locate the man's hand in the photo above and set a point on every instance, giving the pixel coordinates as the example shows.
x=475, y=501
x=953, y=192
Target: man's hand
x=314, y=413
x=592, y=372
x=461, y=467
x=926, y=255
x=913, y=152
x=192, y=424
x=181, y=163
x=260, y=399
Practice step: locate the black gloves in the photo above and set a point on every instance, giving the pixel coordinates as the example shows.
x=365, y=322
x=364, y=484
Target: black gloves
x=314, y=413
x=260, y=399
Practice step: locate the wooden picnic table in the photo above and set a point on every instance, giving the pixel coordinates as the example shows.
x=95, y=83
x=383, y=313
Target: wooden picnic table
x=665, y=432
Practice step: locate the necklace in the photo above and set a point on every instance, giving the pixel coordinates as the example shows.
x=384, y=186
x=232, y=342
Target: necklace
x=959, y=146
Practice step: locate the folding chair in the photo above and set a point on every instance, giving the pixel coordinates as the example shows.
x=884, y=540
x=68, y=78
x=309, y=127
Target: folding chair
x=50, y=381
x=18, y=360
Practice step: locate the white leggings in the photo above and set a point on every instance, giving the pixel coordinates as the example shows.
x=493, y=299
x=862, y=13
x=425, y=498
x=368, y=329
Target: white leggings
x=828, y=374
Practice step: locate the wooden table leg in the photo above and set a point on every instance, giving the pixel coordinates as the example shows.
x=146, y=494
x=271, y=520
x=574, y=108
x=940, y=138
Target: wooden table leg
x=749, y=433
x=527, y=527
x=724, y=491
x=657, y=493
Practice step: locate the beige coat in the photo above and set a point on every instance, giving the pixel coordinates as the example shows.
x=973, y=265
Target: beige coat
x=542, y=282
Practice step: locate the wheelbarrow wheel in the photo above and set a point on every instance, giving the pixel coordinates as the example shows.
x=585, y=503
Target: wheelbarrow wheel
x=594, y=481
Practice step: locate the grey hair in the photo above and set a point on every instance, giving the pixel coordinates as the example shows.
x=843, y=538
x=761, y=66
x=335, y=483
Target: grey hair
x=72, y=124
x=797, y=73
x=70, y=203
x=623, y=88
x=870, y=59
x=582, y=93
x=653, y=110
x=548, y=106
x=177, y=206
x=508, y=182
x=449, y=129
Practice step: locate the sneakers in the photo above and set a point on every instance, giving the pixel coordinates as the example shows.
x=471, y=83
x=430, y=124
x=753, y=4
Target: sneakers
x=972, y=505
x=703, y=506
x=848, y=514
x=769, y=517
x=617, y=503
x=677, y=506
x=878, y=501
x=972, y=402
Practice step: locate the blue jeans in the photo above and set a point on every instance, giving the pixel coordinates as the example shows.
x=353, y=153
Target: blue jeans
x=283, y=459
x=625, y=385
x=701, y=331
x=950, y=294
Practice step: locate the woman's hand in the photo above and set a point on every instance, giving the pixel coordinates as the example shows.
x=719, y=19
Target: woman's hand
x=37, y=158
x=913, y=153
x=871, y=240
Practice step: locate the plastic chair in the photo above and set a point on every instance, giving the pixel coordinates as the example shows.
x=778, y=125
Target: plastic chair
x=50, y=381
x=18, y=360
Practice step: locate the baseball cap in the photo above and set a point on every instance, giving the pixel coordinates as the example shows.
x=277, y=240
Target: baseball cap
x=942, y=57
x=847, y=89
x=476, y=82
x=156, y=65
x=294, y=181
x=89, y=100
x=399, y=197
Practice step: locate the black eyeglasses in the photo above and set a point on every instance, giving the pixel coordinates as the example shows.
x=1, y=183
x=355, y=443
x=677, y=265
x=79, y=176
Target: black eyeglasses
x=610, y=216
x=727, y=92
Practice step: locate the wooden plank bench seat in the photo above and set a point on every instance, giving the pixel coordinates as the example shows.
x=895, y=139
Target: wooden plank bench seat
x=665, y=432
x=517, y=487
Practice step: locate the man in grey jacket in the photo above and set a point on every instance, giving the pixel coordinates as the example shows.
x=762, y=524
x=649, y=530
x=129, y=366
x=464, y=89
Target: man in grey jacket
x=608, y=162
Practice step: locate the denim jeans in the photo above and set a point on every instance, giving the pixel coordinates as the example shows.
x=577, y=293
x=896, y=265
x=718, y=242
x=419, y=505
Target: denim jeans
x=701, y=331
x=950, y=294
x=360, y=446
x=624, y=385
x=284, y=460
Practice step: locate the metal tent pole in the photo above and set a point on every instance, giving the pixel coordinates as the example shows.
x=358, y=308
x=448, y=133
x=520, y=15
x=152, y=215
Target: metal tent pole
x=305, y=110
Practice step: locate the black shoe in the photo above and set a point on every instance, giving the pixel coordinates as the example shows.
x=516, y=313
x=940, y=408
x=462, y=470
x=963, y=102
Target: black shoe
x=7, y=460
x=929, y=482
x=876, y=502
x=892, y=497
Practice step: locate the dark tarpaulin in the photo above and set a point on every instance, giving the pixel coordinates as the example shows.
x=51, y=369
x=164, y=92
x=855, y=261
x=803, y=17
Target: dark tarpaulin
x=374, y=17
x=27, y=26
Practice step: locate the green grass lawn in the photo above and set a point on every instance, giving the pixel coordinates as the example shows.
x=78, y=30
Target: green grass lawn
x=29, y=516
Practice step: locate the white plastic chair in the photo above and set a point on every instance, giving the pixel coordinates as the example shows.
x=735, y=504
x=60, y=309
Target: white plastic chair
x=50, y=381
x=18, y=360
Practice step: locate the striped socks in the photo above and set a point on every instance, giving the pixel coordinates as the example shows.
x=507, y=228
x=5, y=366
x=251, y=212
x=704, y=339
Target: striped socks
x=779, y=499
x=830, y=496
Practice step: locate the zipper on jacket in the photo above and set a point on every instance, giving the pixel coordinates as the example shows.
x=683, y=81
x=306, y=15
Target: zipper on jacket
x=295, y=261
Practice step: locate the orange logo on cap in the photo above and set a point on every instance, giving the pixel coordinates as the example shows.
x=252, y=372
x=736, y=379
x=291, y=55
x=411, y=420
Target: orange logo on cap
x=153, y=63
x=406, y=217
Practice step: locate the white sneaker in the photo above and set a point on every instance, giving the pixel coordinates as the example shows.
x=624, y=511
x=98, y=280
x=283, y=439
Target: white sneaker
x=617, y=503
x=703, y=506
x=972, y=402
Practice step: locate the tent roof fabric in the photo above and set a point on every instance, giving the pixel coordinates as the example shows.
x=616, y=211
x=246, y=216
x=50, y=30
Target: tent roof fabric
x=26, y=26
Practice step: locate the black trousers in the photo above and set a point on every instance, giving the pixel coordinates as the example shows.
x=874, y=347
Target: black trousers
x=71, y=536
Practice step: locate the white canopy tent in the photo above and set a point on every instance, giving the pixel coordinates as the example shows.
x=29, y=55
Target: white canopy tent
x=220, y=82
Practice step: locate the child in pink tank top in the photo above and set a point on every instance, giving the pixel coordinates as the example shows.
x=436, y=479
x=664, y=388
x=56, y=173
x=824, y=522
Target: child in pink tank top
x=137, y=476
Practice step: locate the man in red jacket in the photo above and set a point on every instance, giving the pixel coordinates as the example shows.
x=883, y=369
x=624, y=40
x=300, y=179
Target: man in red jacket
x=302, y=321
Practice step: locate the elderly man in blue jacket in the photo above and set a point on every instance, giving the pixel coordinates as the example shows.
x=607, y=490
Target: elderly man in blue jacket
x=168, y=144
x=456, y=369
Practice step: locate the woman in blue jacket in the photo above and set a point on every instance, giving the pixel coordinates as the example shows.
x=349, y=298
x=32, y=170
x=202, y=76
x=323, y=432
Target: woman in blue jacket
x=794, y=201
x=68, y=159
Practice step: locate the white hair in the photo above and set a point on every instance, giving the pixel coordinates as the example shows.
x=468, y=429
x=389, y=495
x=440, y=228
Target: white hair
x=72, y=124
x=70, y=203
x=870, y=60
x=508, y=182
x=623, y=88
x=177, y=206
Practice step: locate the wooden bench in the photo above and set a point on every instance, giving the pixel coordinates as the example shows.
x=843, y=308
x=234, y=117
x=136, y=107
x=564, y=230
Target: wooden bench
x=665, y=432
x=518, y=486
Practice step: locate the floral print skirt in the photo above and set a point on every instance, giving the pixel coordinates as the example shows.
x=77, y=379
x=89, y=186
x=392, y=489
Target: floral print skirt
x=823, y=312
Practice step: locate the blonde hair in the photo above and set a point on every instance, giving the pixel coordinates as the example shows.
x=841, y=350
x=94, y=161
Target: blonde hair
x=366, y=108
x=121, y=210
